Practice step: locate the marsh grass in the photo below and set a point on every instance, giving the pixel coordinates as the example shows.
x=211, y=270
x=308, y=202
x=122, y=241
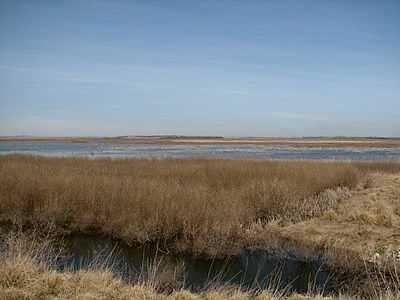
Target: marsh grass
x=27, y=272
x=203, y=206
x=378, y=166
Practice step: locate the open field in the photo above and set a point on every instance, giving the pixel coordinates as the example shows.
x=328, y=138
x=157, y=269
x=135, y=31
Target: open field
x=347, y=211
x=178, y=140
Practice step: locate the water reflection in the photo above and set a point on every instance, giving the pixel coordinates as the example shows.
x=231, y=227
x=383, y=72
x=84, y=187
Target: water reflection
x=251, y=269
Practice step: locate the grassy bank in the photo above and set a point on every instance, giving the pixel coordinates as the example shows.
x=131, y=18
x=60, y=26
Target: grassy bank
x=203, y=206
x=27, y=272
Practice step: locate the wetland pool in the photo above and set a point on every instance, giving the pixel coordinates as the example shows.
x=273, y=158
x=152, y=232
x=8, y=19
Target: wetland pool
x=250, y=269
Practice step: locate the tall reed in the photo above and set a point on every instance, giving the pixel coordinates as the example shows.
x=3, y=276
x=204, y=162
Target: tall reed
x=205, y=206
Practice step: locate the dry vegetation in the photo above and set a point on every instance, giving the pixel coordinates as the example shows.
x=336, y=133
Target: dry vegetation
x=367, y=224
x=207, y=207
x=202, y=206
x=26, y=272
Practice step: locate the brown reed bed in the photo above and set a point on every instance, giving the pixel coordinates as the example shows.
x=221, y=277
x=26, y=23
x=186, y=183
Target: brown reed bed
x=201, y=206
x=206, y=207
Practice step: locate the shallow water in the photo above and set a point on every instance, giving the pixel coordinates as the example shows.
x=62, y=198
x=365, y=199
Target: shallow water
x=98, y=149
x=251, y=269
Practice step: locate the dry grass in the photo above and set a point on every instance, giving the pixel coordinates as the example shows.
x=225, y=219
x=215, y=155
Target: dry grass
x=203, y=206
x=26, y=273
x=364, y=227
x=387, y=167
x=209, y=207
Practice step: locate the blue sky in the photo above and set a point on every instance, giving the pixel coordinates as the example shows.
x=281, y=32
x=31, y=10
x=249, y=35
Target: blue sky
x=233, y=68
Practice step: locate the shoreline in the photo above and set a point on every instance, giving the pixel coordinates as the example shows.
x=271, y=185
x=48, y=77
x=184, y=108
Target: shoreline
x=291, y=142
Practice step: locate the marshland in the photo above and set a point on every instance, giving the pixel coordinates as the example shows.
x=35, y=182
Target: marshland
x=342, y=217
x=199, y=150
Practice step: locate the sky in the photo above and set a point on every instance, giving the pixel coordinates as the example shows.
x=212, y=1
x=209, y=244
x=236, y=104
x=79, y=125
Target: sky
x=232, y=68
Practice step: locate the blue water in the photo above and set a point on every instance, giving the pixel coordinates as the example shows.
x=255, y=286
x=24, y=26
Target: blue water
x=99, y=149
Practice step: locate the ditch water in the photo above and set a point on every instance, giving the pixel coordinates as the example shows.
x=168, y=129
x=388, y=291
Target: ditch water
x=98, y=149
x=251, y=269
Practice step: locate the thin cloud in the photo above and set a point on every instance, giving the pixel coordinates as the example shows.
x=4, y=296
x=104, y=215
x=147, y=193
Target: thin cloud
x=301, y=116
x=61, y=76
